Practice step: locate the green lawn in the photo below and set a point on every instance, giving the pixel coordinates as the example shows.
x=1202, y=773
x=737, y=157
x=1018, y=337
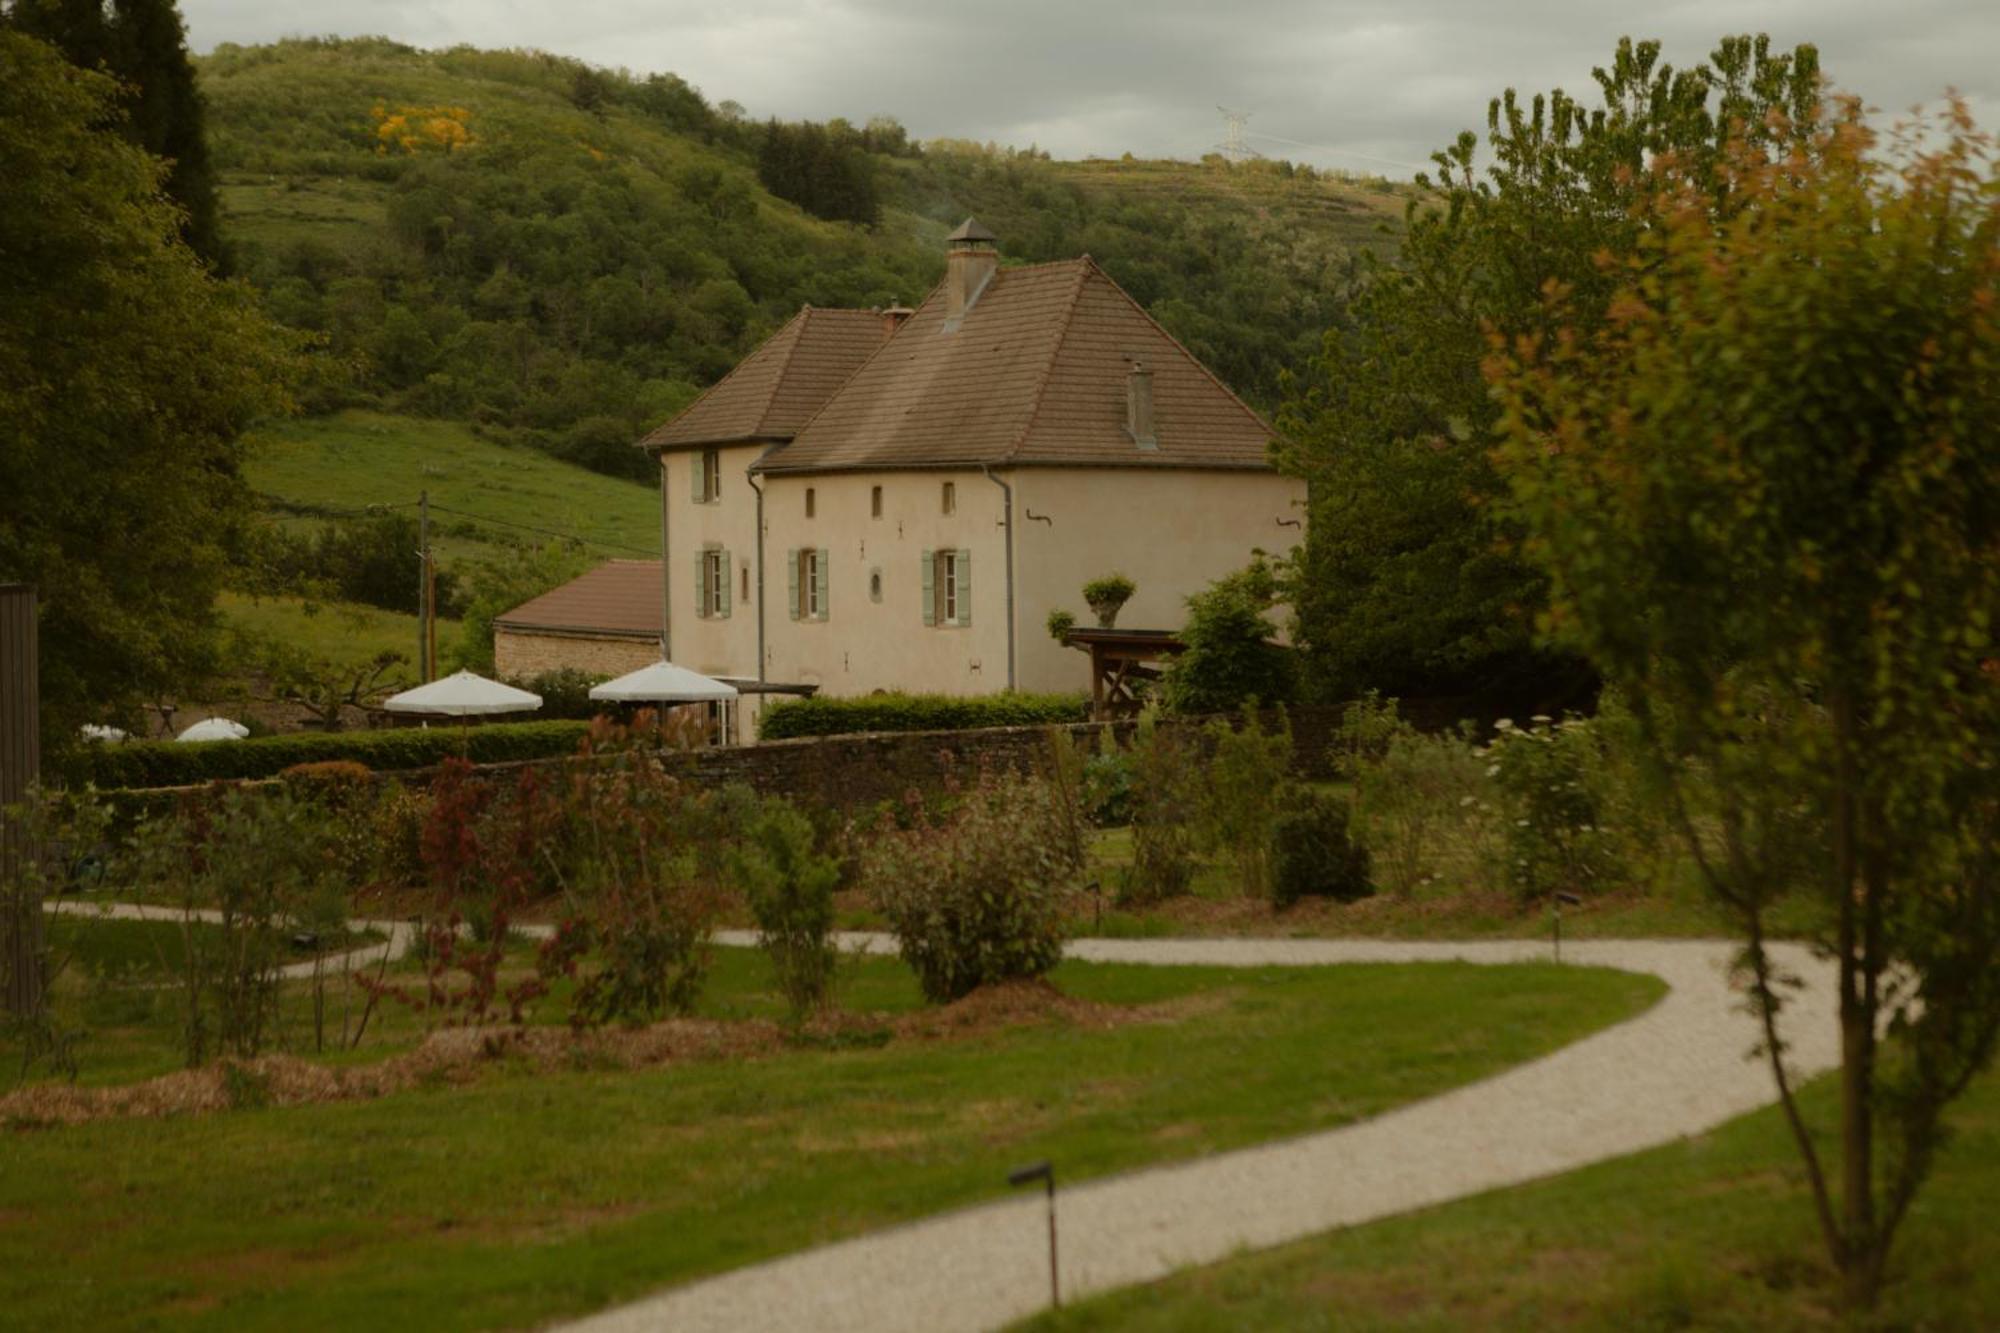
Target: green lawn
x=338, y=631
x=1713, y=1233
x=356, y=458
x=523, y=1195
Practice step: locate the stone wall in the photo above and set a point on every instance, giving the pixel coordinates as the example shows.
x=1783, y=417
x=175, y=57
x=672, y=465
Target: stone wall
x=854, y=772
x=521, y=656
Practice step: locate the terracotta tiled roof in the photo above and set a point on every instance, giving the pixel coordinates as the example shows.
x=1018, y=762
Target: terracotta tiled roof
x=1035, y=374
x=776, y=389
x=619, y=597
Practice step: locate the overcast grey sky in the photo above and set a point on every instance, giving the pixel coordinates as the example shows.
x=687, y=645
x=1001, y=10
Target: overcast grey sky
x=1362, y=84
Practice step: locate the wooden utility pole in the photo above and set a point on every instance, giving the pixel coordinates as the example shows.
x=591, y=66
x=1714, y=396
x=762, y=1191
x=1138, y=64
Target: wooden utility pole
x=20, y=767
x=425, y=587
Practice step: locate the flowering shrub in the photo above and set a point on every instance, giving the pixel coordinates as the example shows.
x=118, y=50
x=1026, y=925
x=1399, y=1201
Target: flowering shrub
x=1069, y=810
x=976, y=896
x=1249, y=780
x=1107, y=784
x=1420, y=802
x=1313, y=855
x=1554, y=831
x=396, y=833
x=344, y=793
x=790, y=886
x=262, y=861
x=1166, y=805
x=631, y=877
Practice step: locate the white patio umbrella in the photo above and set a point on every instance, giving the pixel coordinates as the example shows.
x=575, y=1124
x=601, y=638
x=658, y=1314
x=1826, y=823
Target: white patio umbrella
x=214, y=729
x=463, y=694
x=662, y=683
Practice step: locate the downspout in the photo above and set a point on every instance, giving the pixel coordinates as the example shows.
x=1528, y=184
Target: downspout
x=760, y=573
x=667, y=573
x=1008, y=523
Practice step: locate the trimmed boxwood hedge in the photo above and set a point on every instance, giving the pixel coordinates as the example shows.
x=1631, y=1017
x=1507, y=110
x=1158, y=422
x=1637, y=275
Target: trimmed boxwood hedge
x=916, y=712
x=178, y=763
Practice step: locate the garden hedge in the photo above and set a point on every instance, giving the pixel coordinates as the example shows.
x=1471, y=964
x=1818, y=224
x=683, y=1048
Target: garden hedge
x=916, y=712
x=178, y=763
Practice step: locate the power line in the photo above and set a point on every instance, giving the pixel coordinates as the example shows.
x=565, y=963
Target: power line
x=1340, y=152
x=322, y=511
x=546, y=532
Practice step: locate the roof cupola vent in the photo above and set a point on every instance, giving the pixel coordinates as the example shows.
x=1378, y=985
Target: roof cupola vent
x=971, y=256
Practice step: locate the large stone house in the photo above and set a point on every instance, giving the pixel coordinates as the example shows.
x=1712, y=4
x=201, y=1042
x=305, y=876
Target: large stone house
x=895, y=500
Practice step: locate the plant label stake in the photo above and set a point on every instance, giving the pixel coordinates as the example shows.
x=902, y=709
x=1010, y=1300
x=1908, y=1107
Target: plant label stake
x=1556, y=908
x=1046, y=1173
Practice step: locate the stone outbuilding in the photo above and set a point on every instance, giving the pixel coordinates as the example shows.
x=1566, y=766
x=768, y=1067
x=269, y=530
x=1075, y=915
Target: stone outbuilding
x=606, y=622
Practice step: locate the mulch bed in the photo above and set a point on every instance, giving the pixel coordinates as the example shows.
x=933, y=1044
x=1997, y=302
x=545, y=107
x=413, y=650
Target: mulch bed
x=459, y=1055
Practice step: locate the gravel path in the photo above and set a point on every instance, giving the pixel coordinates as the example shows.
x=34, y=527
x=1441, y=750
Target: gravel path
x=1681, y=1067
x=397, y=936
x=1677, y=1069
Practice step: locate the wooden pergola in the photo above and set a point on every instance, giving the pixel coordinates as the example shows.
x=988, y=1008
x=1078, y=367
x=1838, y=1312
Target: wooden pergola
x=1119, y=660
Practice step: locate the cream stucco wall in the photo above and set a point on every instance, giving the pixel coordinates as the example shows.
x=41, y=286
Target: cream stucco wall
x=713, y=645
x=1172, y=533
x=864, y=645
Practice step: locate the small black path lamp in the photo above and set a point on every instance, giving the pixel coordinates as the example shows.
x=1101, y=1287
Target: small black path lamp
x=1556, y=905
x=1046, y=1173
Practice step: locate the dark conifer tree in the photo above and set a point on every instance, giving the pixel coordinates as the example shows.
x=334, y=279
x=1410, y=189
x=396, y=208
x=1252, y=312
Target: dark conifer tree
x=166, y=111
x=143, y=45
x=80, y=29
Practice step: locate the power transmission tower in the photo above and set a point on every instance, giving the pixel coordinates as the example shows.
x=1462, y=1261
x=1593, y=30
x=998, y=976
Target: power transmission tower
x=1233, y=146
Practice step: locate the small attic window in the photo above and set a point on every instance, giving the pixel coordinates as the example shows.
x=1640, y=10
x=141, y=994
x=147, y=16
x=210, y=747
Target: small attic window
x=949, y=497
x=809, y=502
x=875, y=502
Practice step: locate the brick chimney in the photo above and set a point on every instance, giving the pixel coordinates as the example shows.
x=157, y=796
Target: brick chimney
x=1139, y=407
x=893, y=318
x=969, y=261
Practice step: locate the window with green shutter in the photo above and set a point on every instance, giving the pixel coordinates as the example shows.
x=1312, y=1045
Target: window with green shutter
x=792, y=581
x=711, y=582
x=947, y=587
x=820, y=564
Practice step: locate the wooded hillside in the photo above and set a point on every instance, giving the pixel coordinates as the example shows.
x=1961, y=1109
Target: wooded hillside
x=564, y=255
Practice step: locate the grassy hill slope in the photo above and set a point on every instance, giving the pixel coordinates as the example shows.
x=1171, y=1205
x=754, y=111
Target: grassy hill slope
x=484, y=494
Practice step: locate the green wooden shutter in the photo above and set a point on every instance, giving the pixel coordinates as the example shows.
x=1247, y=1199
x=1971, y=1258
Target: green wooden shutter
x=696, y=489
x=792, y=580
x=964, y=588
x=701, y=583
x=728, y=586
x=930, y=587
x=819, y=577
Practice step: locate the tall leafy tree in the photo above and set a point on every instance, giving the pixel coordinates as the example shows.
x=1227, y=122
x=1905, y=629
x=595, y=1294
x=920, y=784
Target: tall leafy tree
x=126, y=375
x=143, y=45
x=1409, y=580
x=1763, y=480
